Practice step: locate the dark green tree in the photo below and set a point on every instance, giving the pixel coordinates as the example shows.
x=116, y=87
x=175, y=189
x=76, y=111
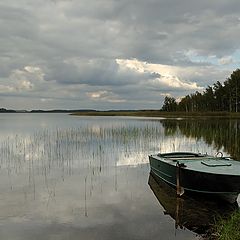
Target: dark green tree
x=235, y=89
x=220, y=96
x=170, y=104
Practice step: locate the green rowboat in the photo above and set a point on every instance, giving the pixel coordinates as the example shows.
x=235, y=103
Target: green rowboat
x=198, y=173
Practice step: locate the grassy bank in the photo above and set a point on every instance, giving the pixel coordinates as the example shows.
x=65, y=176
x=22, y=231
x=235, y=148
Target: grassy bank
x=227, y=229
x=157, y=113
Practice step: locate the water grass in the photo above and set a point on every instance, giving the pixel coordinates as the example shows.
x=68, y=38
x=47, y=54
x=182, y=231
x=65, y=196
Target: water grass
x=91, y=153
x=92, y=146
x=227, y=228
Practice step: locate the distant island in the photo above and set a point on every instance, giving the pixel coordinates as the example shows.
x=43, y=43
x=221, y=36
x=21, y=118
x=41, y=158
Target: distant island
x=4, y=110
x=61, y=111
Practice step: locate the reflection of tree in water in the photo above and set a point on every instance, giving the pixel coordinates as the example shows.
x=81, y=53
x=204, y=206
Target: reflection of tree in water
x=220, y=133
x=170, y=127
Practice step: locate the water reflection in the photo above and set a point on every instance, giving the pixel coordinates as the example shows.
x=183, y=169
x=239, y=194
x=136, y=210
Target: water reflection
x=197, y=215
x=85, y=176
x=221, y=134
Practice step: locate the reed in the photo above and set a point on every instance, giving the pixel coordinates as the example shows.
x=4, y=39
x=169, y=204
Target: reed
x=90, y=151
x=227, y=229
x=67, y=149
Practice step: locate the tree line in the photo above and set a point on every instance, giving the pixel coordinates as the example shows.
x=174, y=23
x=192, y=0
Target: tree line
x=219, y=97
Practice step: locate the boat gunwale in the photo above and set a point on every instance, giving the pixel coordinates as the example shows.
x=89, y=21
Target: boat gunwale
x=193, y=170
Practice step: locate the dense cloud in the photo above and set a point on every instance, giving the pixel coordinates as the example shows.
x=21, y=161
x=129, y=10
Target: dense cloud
x=110, y=54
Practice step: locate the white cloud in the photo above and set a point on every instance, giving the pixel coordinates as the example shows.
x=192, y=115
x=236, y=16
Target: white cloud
x=27, y=79
x=226, y=60
x=104, y=95
x=165, y=76
x=97, y=95
x=6, y=89
x=25, y=84
x=44, y=100
x=174, y=83
x=33, y=69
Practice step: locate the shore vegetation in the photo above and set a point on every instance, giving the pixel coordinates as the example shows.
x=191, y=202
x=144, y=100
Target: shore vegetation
x=159, y=113
x=227, y=229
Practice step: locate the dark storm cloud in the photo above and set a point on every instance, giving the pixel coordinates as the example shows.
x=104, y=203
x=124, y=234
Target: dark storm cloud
x=97, y=72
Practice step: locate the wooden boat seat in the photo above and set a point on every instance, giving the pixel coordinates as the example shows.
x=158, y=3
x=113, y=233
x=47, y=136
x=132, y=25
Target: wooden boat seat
x=185, y=158
x=215, y=163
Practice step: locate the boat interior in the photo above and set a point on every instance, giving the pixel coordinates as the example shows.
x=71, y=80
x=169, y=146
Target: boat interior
x=181, y=155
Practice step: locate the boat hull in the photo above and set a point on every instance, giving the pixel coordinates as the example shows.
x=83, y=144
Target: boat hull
x=215, y=185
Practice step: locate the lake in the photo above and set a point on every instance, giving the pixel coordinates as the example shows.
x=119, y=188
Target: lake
x=70, y=177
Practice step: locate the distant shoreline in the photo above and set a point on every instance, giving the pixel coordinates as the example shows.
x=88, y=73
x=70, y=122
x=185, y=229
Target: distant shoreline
x=157, y=113
x=133, y=113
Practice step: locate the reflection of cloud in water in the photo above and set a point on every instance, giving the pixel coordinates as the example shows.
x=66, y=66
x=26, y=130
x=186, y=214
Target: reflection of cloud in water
x=170, y=144
x=110, y=212
x=93, y=146
x=133, y=160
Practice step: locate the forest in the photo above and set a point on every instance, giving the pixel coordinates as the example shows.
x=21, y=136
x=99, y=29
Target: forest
x=219, y=97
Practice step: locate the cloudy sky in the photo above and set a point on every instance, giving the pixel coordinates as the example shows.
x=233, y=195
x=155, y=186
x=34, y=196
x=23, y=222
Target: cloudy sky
x=113, y=54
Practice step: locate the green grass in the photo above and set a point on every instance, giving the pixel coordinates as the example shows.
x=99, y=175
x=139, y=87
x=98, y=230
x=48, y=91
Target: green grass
x=158, y=113
x=227, y=229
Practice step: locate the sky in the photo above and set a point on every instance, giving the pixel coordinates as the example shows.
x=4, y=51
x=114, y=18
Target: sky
x=113, y=54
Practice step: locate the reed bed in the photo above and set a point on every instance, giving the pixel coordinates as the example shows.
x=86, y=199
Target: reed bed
x=227, y=228
x=71, y=148
x=91, y=152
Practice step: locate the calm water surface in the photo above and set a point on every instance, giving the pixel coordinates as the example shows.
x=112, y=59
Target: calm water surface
x=66, y=177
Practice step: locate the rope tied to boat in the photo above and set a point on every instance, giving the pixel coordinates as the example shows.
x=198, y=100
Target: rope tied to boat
x=180, y=189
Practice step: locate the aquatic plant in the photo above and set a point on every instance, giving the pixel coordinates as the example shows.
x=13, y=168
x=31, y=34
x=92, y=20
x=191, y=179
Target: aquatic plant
x=227, y=228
